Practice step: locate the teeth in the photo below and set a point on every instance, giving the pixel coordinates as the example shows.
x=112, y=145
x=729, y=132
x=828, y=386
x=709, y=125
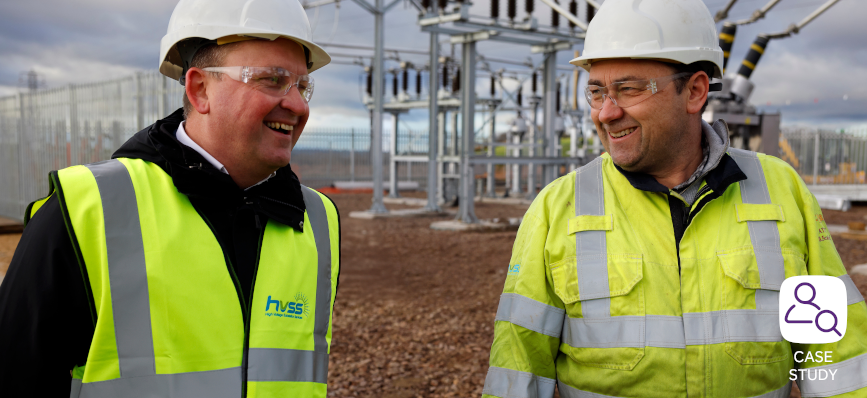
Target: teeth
x=622, y=132
x=279, y=126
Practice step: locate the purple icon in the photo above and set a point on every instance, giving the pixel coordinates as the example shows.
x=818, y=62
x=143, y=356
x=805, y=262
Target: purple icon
x=821, y=311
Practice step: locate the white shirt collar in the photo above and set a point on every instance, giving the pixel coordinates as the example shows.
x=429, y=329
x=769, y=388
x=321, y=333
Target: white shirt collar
x=185, y=139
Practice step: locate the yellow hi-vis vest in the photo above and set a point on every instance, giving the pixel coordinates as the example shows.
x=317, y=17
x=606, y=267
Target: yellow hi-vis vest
x=600, y=302
x=168, y=319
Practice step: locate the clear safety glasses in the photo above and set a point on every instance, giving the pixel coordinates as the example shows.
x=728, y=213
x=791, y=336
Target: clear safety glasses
x=273, y=81
x=626, y=94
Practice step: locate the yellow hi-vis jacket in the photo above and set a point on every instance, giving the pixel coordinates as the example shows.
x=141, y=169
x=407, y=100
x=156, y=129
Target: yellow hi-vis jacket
x=601, y=301
x=169, y=322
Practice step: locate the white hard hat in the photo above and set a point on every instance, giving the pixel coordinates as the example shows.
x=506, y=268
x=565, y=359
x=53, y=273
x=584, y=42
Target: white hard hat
x=238, y=20
x=682, y=31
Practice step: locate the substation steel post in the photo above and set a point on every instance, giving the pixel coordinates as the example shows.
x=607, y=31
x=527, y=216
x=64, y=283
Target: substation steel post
x=376, y=131
x=467, y=211
x=433, y=128
x=531, y=168
x=549, y=114
x=392, y=163
x=491, y=141
x=516, y=168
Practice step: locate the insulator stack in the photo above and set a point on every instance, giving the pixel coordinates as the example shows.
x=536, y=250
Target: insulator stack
x=573, y=9
x=590, y=12
x=493, y=86
x=456, y=82
x=425, y=4
x=445, y=74
x=726, y=39
x=394, y=85
x=495, y=9
x=512, y=9
x=529, y=6
x=756, y=51
x=558, y=97
x=406, y=80
x=555, y=16
x=442, y=4
x=535, y=83
x=418, y=83
x=369, y=86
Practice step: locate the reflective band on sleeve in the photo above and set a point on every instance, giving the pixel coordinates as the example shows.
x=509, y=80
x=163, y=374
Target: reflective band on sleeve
x=275, y=364
x=698, y=328
x=508, y=383
x=715, y=327
x=590, y=246
x=319, y=222
x=853, y=295
x=764, y=235
x=223, y=383
x=782, y=392
x=850, y=375
x=75, y=388
x=530, y=314
x=126, y=269
x=567, y=391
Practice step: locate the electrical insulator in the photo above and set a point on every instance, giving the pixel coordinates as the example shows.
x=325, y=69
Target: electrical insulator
x=520, y=96
x=555, y=16
x=394, y=85
x=418, y=83
x=529, y=5
x=456, y=82
x=445, y=74
x=425, y=4
x=442, y=4
x=406, y=80
x=369, y=86
x=512, y=9
x=590, y=12
x=495, y=9
x=493, y=86
x=558, y=97
x=752, y=58
x=535, y=84
x=573, y=9
x=726, y=39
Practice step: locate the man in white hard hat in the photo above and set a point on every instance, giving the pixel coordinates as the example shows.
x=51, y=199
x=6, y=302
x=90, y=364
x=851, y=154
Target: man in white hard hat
x=656, y=269
x=194, y=263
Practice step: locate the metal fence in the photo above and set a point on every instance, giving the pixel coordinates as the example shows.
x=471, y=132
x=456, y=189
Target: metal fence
x=825, y=157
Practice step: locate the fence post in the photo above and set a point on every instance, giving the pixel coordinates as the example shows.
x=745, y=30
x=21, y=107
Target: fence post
x=352, y=155
x=139, y=103
x=161, y=99
x=21, y=167
x=816, y=160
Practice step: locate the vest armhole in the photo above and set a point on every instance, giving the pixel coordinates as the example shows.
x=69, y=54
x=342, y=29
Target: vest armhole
x=55, y=182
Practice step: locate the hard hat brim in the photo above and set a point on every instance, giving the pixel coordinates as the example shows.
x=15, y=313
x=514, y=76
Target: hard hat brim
x=683, y=55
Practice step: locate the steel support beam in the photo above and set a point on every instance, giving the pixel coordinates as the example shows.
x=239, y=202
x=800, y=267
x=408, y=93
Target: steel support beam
x=467, y=212
x=392, y=161
x=549, y=113
x=376, y=130
x=433, y=129
x=491, y=141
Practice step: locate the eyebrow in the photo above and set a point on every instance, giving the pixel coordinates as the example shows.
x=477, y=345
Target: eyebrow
x=594, y=82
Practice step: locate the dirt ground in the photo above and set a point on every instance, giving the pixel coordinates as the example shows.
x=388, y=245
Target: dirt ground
x=415, y=307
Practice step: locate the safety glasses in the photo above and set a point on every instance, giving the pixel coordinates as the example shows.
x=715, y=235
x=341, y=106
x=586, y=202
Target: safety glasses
x=273, y=81
x=629, y=93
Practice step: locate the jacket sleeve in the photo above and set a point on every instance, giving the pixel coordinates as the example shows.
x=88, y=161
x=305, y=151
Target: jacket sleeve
x=45, y=317
x=528, y=322
x=849, y=355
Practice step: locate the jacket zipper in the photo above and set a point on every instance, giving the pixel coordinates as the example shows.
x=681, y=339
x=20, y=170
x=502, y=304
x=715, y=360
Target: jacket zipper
x=244, y=362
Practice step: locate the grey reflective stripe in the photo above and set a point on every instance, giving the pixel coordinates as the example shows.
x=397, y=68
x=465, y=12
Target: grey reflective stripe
x=212, y=384
x=850, y=375
x=764, y=235
x=767, y=300
x=782, y=392
x=698, y=328
x=591, y=253
x=853, y=295
x=75, y=388
x=507, y=383
x=126, y=269
x=531, y=314
x=567, y=391
x=319, y=223
x=275, y=364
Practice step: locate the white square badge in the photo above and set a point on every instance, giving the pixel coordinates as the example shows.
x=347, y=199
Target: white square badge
x=813, y=309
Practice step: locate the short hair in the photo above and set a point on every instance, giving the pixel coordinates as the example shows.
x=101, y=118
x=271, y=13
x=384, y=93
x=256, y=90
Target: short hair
x=212, y=55
x=692, y=69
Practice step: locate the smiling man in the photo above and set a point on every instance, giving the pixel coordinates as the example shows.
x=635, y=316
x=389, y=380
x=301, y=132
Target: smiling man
x=194, y=263
x=655, y=270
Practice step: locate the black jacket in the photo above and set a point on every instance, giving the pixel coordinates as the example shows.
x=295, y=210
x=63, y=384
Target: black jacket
x=47, y=315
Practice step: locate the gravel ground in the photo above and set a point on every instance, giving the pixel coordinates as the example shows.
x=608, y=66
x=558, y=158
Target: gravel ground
x=414, y=313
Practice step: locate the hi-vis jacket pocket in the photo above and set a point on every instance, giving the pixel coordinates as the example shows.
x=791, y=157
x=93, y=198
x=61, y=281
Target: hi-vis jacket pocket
x=604, y=326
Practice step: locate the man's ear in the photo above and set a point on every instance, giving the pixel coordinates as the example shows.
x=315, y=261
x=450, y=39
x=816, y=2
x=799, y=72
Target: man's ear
x=697, y=89
x=197, y=90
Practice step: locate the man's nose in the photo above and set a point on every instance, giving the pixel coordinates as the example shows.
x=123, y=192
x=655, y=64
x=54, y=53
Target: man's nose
x=609, y=112
x=294, y=102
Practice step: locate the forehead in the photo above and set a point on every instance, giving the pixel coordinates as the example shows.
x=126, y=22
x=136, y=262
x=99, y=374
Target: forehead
x=281, y=53
x=614, y=70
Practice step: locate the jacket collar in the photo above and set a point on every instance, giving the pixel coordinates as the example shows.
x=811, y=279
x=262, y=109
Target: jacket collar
x=278, y=199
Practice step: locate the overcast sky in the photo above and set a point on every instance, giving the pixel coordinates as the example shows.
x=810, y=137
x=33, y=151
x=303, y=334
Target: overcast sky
x=806, y=76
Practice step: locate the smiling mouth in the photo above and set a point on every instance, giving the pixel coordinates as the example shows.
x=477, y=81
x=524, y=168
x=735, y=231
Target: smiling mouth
x=622, y=133
x=281, y=128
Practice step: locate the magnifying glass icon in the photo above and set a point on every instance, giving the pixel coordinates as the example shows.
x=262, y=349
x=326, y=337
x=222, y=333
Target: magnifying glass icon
x=834, y=327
